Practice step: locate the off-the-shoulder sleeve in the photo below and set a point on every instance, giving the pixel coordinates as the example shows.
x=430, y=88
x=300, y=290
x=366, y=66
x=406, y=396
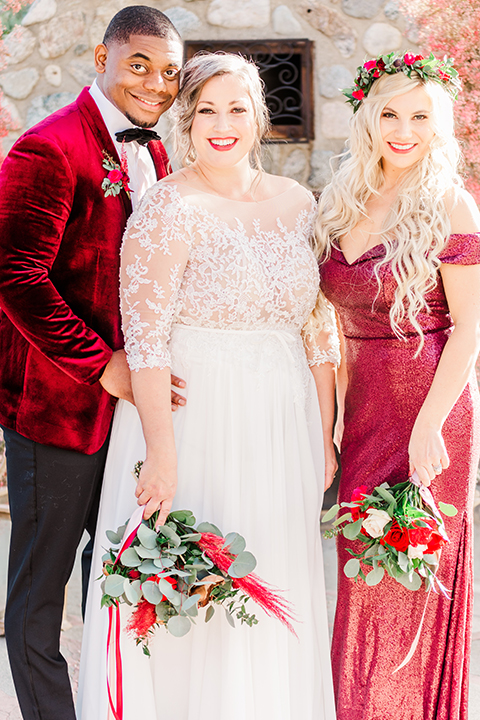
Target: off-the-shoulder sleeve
x=155, y=253
x=461, y=249
x=321, y=339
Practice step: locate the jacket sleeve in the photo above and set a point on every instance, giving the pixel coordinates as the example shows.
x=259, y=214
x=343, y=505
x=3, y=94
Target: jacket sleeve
x=36, y=195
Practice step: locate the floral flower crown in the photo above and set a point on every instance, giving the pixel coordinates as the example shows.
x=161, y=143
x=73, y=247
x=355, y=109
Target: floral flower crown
x=431, y=68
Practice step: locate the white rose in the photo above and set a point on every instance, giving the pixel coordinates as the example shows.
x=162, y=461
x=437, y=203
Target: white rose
x=416, y=551
x=375, y=522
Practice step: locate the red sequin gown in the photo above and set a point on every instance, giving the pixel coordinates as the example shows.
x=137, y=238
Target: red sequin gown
x=374, y=627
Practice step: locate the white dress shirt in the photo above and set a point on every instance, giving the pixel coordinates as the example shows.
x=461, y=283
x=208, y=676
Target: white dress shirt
x=141, y=168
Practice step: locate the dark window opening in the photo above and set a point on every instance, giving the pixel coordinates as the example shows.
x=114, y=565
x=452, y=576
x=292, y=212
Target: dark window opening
x=286, y=69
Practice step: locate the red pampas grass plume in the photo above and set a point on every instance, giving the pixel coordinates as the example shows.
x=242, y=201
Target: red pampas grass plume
x=251, y=584
x=143, y=618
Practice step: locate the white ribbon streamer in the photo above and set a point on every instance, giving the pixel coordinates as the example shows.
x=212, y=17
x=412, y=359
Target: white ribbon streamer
x=415, y=640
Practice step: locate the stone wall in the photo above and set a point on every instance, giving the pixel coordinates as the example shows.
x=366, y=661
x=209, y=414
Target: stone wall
x=51, y=58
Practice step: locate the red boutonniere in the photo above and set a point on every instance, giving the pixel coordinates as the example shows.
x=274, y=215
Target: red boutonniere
x=117, y=178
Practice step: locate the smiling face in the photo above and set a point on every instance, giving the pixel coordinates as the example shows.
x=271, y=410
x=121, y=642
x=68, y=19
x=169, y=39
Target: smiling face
x=406, y=129
x=223, y=129
x=140, y=77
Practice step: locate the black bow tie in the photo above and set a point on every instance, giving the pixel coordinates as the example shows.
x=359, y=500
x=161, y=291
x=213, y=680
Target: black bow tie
x=141, y=135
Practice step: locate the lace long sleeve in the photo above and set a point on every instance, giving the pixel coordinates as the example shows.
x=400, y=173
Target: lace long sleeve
x=155, y=253
x=322, y=342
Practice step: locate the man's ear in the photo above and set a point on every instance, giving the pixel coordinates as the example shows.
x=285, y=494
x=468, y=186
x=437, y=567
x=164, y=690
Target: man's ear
x=100, y=58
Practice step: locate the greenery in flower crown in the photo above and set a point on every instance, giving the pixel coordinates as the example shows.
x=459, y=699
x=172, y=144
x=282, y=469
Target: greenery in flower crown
x=431, y=68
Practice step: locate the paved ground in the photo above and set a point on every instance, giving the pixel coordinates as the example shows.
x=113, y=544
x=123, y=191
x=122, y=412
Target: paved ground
x=72, y=635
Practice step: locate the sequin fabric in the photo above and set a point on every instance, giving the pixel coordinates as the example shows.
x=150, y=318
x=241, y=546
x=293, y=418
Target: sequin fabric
x=374, y=627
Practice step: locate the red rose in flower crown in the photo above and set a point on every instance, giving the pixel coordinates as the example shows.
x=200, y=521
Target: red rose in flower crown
x=431, y=68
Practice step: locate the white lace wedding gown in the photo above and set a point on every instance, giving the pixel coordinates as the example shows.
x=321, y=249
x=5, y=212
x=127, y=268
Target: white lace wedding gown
x=219, y=290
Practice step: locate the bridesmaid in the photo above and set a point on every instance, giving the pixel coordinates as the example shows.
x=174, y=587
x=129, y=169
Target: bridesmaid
x=400, y=245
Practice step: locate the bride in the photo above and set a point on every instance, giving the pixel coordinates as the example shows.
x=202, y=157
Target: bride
x=218, y=283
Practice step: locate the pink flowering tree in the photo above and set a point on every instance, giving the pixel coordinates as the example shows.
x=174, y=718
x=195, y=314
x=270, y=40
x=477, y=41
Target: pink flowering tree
x=11, y=12
x=453, y=29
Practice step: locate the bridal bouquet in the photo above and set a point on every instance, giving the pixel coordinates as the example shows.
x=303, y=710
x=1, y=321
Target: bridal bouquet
x=167, y=574
x=402, y=532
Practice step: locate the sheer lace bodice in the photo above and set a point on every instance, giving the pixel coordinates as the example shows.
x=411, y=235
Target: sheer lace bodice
x=201, y=260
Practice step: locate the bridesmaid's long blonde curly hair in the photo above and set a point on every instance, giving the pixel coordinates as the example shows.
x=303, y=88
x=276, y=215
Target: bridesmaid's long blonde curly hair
x=417, y=226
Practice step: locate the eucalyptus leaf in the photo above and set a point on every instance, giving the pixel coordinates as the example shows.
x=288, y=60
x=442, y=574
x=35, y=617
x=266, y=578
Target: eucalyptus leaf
x=351, y=568
x=351, y=530
x=132, y=591
x=113, y=537
x=179, y=625
x=163, y=562
x=176, y=599
x=243, y=565
x=106, y=557
x=180, y=515
x=431, y=559
x=190, y=601
x=170, y=534
x=229, y=617
x=115, y=585
x=177, y=550
x=192, y=537
x=330, y=514
x=162, y=610
x=371, y=551
x=130, y=558
x=151, y=592
x=121, y=530
x=346, y=517
x=235, y=543
x=165, y=588
x=375, y=576
x=403, y=561
x=383, y=492
x=448, y=510
x=412, y=581
x=210, y=613
x=147, y=537
x=147, y=553
x=206, y=527
x=148, y=568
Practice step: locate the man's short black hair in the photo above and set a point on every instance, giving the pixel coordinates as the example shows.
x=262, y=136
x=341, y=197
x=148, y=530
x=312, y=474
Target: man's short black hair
x=139, y=20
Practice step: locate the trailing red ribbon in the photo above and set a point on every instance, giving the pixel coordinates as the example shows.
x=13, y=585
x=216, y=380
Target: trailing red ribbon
x=114, y=619
x=114, y=625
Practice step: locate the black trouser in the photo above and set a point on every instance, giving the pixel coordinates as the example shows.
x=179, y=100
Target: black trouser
x=53, y=495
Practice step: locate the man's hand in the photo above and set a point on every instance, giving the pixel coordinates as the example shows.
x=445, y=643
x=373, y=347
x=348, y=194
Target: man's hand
x=116, y=381
x=177, y=400
x=116, y=377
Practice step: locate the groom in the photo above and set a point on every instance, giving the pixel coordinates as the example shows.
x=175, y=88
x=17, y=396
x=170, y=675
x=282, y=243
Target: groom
x=66, y=191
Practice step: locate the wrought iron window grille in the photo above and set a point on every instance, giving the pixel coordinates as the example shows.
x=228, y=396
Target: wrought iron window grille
x=286, y=68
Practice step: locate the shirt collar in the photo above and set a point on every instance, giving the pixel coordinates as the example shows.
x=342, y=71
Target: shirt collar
x=115, y=120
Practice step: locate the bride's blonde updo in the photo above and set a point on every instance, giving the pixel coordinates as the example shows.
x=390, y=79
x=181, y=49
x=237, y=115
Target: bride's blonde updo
x=417, y=226
x=194, y=76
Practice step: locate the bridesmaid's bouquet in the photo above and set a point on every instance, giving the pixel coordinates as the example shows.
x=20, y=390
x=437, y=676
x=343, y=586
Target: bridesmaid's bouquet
x=401, y=530
x=169, y=573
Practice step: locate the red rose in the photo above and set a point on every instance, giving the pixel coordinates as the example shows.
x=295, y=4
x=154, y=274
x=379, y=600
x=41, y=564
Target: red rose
x=380, y=65
x=396, y=537
x=370, y=64
x=357, y=496
x=409, y=59
x=134, y=574
x=419, y=57
x=358, y=94
x=170, y=580
x=436, y=542
x=115, y=176
x=421, y=535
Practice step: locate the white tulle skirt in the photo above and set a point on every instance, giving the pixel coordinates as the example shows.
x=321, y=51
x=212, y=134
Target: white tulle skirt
x=250, y=459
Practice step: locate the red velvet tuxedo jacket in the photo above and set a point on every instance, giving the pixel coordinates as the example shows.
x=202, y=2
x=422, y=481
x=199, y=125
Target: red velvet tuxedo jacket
x=59, y=266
